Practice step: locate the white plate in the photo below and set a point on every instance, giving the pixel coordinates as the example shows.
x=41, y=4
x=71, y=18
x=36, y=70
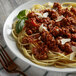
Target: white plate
x=12, y=45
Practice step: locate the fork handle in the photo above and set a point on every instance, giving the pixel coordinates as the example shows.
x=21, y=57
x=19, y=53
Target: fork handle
x=18, y=71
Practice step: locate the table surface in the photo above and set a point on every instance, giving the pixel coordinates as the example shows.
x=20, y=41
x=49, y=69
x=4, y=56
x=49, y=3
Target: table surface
x=6, y=7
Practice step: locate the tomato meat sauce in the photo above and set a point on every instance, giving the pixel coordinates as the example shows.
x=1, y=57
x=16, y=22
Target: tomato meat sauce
x=60, y=24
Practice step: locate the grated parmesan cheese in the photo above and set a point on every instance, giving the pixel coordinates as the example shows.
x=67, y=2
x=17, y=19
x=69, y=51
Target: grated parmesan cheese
x=45, y=14
x=59, y=18
x=42, y=15
x=42, y=27
x=63, y=41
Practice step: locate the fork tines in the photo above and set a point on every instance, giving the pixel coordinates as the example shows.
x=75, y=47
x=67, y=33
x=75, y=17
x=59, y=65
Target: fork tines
x=4, y=58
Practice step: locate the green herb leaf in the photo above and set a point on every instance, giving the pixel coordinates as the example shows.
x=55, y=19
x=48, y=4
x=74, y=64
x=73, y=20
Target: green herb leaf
x=20, y=24
x=21, y=20
x=21, y=14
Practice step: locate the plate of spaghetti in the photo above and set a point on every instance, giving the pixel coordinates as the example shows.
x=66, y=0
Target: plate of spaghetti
x=43, y=34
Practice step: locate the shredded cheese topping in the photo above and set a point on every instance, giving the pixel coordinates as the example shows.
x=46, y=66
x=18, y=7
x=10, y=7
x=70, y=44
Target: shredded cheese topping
x=59, y=18
x=63, y=41
x=42, y=15
x=42, y=27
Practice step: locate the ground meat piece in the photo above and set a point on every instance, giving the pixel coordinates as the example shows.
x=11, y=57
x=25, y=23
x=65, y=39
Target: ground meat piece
x=67, y=13
x=50, y=28
x=57, y=6
x=56, y=31
x=61, y=47
x=55, y=48
x=43, y=20
x=41, y=43
x=28, y=39
x=31, y=15
x=72, y=28
x=61, y=11
x=32, y=30
x=67, y=48
x=53, y=15
x=57, y=24
x=46, y=36
x=40, y=52
x=31, y=22
x=52, y=46
x=73, y=10
x=73, y=43
x=73, y=37
x=58, y=40
x=68, y=21
x=64, y=22
x=46, y=10
x=24, y=40
x=35, y=30
x=29, y=32
x=51, y=25
x=65, y=32
x=72, y=20
x=32, y=26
